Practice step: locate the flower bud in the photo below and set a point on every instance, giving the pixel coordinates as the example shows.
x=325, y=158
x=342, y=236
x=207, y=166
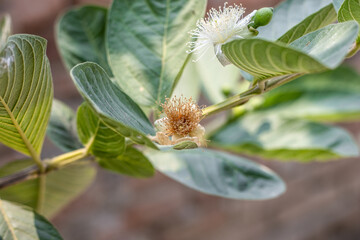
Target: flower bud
x=262, y=17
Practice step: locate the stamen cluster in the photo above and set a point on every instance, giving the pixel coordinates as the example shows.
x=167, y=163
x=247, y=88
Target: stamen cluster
x=181, y=122
x=182, y=116
x=220, y=27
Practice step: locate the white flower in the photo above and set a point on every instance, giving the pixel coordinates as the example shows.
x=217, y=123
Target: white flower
x=220, y=27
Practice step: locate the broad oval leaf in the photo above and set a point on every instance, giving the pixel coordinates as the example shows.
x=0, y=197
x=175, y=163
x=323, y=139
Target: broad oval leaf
x=49, y=193
x=26, y=93
x=5, y=29
x=62, y=127
x=99, y=139
x=146, y=42
x=293, y=19
x=113, y=106
x=218, y=173
x=20, y=222
x=80, y=35
x=315, y=52
x=132, y=163
x=330, y=96
x=284, y=139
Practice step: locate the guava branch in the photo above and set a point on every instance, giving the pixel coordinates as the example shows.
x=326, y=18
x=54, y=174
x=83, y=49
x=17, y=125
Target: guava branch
x=244, y=97
x=50, y=165
x=23, y=175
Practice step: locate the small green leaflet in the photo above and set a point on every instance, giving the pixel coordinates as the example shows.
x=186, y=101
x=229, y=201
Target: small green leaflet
x=132, y=163
x=100, y=140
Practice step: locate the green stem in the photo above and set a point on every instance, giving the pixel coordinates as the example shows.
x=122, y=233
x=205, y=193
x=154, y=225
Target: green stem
x=242, y=98
x=67, y=158
x=51, y=165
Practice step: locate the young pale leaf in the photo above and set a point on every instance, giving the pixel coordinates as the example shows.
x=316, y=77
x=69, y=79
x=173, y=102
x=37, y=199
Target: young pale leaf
x=100, y=140
x=62, y=127
x=80, y=35
x=113, y=106
x=218, y=173
x=215, y=79
x=132, y=163
x=19, y=223
x=26, y=93
x=146, y=42
x=337, y=4
x=284, y=139
x=293, y=19
x=330, y=96
x=5, y=29
x=189, y=83
x=315, y=52
x=51, y=192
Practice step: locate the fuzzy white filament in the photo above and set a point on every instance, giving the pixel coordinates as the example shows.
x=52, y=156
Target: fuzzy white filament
x=220, y=27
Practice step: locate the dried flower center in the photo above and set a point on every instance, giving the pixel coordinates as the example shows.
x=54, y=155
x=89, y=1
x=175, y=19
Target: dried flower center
x=182, y=116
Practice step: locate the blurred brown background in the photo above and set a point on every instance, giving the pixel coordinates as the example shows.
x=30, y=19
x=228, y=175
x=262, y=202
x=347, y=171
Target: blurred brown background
x=322, y=200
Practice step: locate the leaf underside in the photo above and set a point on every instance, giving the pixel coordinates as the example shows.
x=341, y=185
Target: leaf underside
x=25, y=94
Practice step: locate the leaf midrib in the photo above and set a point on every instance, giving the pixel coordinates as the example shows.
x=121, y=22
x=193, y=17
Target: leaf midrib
x=164, y=50
x=32, y=151
x=7, y=220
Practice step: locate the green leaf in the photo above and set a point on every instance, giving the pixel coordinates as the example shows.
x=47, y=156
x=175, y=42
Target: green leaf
x=80, y=35
x=113, y=106
x=349, y=10
x=146, y=42
x=5, y=29
x=320, y=19
x=100, y=140
x=293, y=19
x=317, y=96
x=49, y=193
x=20, y=223
x=132, y=163
x=315, y=52
x=25, y=93
x=218, y=173
x=62, y=127
x=284, y=139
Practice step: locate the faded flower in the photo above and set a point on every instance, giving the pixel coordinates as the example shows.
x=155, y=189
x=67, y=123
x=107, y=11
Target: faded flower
x=181, y=122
